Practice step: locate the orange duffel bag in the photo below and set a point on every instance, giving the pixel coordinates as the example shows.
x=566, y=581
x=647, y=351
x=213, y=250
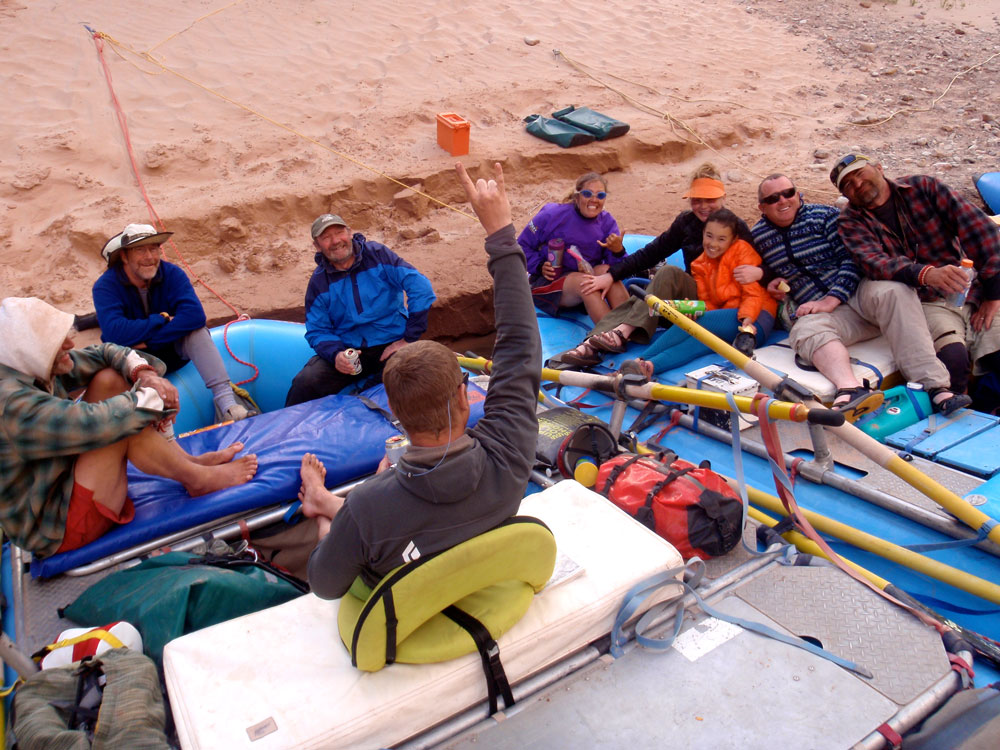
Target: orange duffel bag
x=690, y=506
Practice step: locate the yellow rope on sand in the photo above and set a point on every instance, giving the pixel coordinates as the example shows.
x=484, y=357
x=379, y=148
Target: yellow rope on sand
x=194, y=23
x=933, y=103
x=117, y=45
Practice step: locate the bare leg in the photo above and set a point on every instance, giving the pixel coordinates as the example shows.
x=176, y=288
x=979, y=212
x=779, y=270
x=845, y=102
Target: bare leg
x=596, y=305
x=213, y=458
x=103, y=470
x=833, y=360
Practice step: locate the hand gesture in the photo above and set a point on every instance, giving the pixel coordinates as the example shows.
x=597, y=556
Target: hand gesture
x=488, y=198
x=613, y=242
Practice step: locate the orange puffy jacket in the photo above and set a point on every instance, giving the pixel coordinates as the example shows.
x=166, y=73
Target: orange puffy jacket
x=718, y=288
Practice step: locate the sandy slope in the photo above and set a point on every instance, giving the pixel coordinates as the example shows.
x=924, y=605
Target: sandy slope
x=325, y=101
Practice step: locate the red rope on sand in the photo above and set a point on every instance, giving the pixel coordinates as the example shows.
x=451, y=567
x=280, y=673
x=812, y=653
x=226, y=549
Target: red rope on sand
x=773, y=443
x=157, y=222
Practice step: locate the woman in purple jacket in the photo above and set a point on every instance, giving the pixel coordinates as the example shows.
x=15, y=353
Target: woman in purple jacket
x=592, y=243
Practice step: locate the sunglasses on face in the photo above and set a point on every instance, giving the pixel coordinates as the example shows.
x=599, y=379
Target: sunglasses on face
x=465, y=379
x=775, y=197
x=590, y=194
x=841, y=165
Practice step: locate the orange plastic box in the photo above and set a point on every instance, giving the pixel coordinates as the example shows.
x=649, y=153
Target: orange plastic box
x=453, y=133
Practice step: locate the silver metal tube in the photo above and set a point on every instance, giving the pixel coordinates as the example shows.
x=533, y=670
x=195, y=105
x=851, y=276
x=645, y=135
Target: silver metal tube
x=188, y=538
x=919, y=708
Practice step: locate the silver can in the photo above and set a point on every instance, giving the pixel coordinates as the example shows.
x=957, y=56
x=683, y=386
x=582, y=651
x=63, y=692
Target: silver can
x=354, y=357
x=395, y=447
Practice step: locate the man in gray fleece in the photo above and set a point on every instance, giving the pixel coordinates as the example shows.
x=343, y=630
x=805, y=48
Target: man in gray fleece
x=451, y=484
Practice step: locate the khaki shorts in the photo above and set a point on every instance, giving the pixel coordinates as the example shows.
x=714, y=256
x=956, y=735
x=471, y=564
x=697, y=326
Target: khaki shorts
x=950, y=325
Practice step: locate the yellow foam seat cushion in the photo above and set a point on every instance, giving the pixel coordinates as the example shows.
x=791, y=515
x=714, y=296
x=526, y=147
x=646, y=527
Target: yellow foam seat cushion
x=492, y=577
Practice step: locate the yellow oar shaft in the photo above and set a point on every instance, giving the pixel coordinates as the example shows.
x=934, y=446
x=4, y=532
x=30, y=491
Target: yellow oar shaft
x=807, y=545
x=675, y=394
x=869, y=446
x=893, y=552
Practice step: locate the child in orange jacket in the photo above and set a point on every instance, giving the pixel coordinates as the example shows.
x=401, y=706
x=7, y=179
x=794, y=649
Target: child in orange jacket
x=743, y=313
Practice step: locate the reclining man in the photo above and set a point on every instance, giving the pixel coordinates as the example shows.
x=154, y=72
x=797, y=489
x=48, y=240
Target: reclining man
x=916, y=230
x=361, y=296
x=63, y=477
x=148, y=304
x=800, y=245
x=451, y=484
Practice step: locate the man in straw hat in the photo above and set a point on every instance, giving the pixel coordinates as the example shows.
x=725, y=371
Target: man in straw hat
x=62, y=460
x=146, y=303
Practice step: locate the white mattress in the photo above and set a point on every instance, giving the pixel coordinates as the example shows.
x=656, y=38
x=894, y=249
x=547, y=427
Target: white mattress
x=281, y=678
x=875, y=352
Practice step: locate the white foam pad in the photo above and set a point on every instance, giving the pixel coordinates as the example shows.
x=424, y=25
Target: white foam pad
x=281, y=678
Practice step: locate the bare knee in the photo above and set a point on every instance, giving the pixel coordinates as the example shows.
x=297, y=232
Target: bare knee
x=105, y=384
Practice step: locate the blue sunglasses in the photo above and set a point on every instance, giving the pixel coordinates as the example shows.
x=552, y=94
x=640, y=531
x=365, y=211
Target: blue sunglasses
x=590, y=194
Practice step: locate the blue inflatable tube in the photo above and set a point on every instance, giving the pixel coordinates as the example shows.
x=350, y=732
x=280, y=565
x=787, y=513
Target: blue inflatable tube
x=988, y=186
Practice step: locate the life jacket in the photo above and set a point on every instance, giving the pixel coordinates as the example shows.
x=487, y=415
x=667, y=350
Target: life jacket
x=690, y=506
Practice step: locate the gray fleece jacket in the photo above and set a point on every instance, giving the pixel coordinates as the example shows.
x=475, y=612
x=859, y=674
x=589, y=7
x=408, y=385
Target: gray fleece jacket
x=483, y=477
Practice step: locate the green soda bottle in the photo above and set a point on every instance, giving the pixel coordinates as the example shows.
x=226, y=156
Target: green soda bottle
x=694, y=307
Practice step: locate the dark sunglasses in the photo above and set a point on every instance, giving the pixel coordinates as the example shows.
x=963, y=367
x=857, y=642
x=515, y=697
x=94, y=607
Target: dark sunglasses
x=841, y=165
x=590, y=194
x=465, y=379
x=775, y=197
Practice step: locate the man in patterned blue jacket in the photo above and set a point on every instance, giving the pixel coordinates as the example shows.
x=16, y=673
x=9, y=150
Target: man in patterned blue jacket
x=355, y=300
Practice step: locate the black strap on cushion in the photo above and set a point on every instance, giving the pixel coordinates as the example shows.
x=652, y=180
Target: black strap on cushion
x=390, y=626
x=496, y=678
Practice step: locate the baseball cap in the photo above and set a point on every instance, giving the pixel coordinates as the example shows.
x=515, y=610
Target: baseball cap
x=846, y=165
x=324, y=222
x=706, y=188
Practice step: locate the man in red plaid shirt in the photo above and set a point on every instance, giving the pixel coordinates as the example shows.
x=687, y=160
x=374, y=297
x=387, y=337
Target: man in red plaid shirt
x=917, y=230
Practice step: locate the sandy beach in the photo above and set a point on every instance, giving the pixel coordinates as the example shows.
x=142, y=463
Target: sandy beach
x=248, y=119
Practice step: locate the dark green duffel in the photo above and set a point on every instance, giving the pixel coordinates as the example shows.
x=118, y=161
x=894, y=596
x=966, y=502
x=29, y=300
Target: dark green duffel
x=602, y=126
x=557, y=132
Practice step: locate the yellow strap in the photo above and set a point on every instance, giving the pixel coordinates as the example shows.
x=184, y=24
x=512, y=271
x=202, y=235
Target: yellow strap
x=104, y=635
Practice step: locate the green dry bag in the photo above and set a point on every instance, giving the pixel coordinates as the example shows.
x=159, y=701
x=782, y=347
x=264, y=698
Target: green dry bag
x=557, y=132
x=602, y=126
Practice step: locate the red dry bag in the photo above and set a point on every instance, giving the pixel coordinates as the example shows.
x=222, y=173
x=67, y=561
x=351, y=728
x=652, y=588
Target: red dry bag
x=690, y=506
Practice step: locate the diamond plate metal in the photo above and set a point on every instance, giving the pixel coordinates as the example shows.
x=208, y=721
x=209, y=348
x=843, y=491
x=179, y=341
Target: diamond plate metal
x=904, y=655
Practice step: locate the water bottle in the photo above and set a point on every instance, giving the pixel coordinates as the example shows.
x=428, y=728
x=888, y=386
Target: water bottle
x=556, y=247
x=957, y=299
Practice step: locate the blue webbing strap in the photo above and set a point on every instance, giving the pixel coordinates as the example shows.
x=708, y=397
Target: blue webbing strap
x=734, y=426
x=916, y=405
x=644, y=589
x=873, y=368
x=929, y=430
x=984, y=531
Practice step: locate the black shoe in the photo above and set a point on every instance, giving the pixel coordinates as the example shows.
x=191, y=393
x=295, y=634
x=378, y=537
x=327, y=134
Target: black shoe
x=745, y=343
x=950, y=405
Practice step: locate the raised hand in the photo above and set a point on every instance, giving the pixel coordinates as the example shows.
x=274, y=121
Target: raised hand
x=488, y=198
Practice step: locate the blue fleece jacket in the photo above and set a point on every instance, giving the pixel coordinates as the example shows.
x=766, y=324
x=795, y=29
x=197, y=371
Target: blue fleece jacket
x=364, y=306
x=124, y=320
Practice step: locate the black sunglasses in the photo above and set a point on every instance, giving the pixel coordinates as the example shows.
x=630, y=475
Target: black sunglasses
x=775, y=197
x=465, y=379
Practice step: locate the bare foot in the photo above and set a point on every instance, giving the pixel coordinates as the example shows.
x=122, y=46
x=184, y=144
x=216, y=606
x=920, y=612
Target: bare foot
x=316, y=499
x=213, y=458
x=213, y=478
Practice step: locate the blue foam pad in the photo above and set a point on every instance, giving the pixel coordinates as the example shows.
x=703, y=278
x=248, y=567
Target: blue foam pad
x=347, y=436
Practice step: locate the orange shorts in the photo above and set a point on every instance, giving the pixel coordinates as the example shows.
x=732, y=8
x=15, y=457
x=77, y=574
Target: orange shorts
x=88, y=520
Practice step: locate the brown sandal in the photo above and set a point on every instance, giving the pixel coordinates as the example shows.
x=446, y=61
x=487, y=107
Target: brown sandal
x=600, y=342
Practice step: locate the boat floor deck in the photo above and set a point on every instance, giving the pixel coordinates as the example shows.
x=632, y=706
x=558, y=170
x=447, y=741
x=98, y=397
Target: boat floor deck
x=722, y=686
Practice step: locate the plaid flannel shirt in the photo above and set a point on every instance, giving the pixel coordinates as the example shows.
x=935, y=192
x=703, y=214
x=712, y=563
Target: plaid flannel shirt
x=43, y=431
x=939, y=227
